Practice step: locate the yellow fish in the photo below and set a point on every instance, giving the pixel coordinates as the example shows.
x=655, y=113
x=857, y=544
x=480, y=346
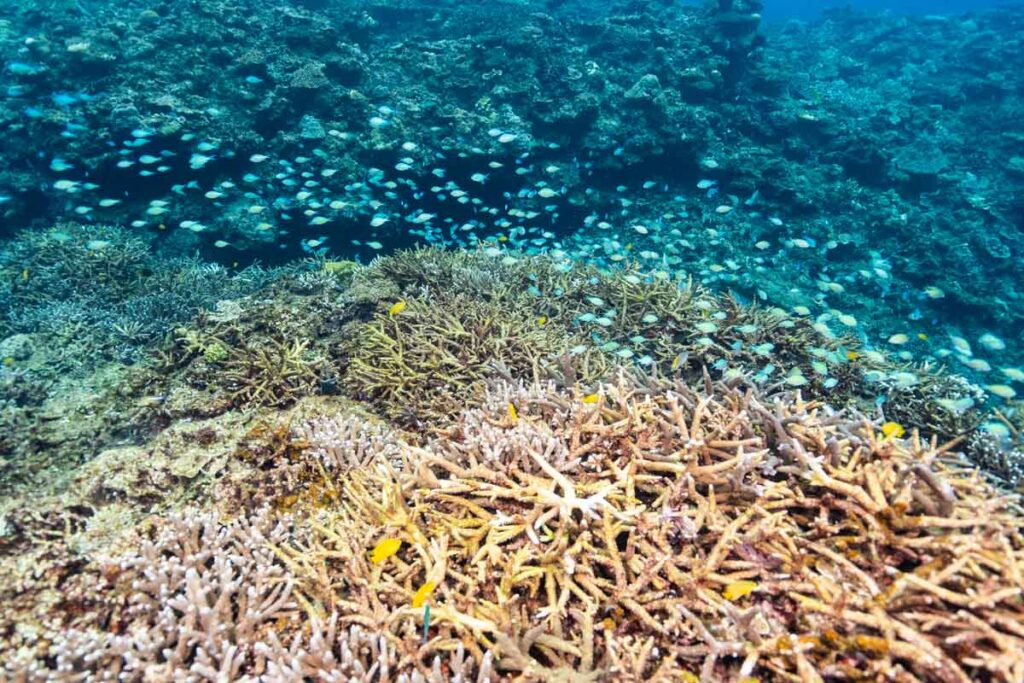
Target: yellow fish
x=893, y=430
x=385, y=549
x=512, y=412
x=542, y=321
x=24, y=275
x=423, y=594
x=738, y=589
x=397, y=308
x=591, y=398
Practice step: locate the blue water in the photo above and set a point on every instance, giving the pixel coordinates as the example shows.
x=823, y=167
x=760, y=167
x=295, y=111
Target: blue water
x=782, y=10
x=809, y=9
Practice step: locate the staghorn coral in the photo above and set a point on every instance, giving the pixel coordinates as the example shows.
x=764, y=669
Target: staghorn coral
x=426, y=360
x=662, y=532
x=257, y=351
x=624, y=317
x=997, y=457
x=200, y=595
x=929, y=403
x=676, y=324
x=998, y=447
x=287, y=459
x=356, y=654
x=565, y=526
x=646, y=531
x=275, y=373
x=342, y=442
x=70, y=260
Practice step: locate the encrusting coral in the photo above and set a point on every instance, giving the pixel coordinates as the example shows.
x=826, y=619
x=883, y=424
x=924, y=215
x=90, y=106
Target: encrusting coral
x=647, y=530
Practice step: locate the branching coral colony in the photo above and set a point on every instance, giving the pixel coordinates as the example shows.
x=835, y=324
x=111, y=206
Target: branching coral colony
x=646, y=531
x=467, y=318
x=546, y=516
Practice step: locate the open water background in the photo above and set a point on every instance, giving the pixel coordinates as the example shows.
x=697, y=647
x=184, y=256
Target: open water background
x=782, y=10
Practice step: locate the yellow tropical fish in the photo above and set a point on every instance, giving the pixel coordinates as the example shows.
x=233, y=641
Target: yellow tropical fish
x=893, y=430
x=423, y=594
x=397, y=308
x=512, y=412
x=738, y=589
x=591, y=398
x=385, y=549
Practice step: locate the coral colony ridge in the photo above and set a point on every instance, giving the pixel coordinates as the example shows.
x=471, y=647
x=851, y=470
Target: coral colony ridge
x=510, y=341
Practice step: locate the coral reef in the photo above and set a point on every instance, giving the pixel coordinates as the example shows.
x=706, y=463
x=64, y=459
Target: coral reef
x=678, y=511
x=646, y=530
x=809, y=133
x=526, y=340
x=83, y=308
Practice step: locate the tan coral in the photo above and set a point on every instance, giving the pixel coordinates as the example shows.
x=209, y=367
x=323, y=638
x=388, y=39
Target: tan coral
x=646, y=530
x=602, y=537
